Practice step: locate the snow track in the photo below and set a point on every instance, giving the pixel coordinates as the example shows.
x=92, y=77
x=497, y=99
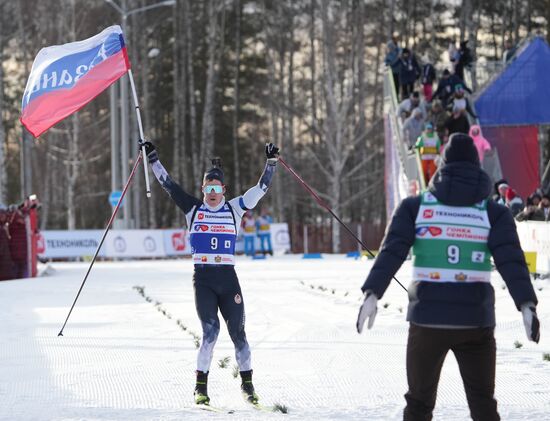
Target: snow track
x=122, y=359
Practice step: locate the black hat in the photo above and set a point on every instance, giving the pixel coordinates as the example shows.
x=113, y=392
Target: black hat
x=215, y=173
x=461, y=148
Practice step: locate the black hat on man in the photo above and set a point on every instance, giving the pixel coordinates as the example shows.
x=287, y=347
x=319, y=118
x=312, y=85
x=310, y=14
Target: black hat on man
x=215, y=172
x=461, y=148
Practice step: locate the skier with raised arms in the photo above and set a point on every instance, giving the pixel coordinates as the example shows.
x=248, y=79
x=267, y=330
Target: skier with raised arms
x=214, y=223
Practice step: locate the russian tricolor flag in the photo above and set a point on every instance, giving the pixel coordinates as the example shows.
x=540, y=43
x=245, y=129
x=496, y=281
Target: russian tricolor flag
x=66, y=77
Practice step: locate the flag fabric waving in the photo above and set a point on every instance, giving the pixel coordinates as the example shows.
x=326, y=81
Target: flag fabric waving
x=66, y=77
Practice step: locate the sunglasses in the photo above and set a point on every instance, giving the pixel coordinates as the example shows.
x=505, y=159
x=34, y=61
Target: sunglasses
x=212, y=189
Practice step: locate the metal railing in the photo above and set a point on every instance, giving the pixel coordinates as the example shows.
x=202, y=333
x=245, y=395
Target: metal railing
x=408, y=168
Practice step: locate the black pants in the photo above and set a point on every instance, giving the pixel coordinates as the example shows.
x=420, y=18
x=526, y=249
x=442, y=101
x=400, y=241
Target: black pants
x=396, y=84
x=475, y=352
x=217, y=287
x=406, y=90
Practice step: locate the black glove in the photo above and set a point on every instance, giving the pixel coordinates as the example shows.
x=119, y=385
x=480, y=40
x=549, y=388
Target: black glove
x=531, y=321
x=150, y=151
x=271, y=151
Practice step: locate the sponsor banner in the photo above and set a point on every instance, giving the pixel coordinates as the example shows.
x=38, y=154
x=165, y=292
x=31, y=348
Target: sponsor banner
x=134, y=243
x=450, y=232
x=449, y=275
x=176, y=242
x=535, y=236
x=60, y=244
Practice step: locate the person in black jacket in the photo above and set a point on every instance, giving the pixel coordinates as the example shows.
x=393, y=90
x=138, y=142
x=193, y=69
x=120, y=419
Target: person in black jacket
x=428, y=78
x=409, y=71
x=453, y=229
x=446, y=87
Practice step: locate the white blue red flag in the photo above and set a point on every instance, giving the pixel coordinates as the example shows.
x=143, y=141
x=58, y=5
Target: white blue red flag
x=66, y=77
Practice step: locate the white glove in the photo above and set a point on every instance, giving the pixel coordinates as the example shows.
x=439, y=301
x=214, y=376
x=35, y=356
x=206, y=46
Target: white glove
x=368, y=310
x=531, y=321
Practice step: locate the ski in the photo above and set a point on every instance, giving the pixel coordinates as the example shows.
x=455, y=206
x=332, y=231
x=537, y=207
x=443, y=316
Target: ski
x=208, y=407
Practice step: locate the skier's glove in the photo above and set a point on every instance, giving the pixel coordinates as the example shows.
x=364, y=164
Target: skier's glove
x=531, y=321
x=271, y=152
x=150, y=151
x=368, y=310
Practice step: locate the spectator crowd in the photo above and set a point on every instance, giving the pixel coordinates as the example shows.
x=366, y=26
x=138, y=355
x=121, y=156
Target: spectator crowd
x=430, y=116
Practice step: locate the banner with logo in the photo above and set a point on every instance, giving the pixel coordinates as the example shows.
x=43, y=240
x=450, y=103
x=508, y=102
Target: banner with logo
x=57, y=244
x=61, y=244
x=176, y=242
x=134, y=243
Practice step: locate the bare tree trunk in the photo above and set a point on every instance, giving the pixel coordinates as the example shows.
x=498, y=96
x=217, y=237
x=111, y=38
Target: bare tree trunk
x=494, y=33
x=179, y=150
x=516, y=20
x=333, y=138
x=3, y=145
x=72, y=172
x=377, y=105
x=207, y=134
x=236, y=104
x=195, y=165
x=313, y=69
x=391, y=26
x=25, y=147
x=528, y=15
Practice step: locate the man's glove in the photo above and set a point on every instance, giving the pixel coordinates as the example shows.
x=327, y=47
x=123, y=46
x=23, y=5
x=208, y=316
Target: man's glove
x=531, y=321
x=271, y=151
x=150, y=151
x=368, y=310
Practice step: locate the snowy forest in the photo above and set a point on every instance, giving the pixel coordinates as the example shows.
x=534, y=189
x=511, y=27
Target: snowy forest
x=222, y=77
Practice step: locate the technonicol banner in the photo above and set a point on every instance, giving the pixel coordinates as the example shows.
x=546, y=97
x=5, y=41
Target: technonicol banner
x=59, y=244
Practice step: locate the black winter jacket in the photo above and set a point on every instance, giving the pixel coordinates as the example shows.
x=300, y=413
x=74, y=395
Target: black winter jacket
x=454, y=304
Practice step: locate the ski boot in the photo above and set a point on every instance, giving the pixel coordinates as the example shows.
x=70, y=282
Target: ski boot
x=247, y=387
x=201, y=393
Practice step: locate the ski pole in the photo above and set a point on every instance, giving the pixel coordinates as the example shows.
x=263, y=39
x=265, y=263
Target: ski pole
x=138, y=160
x=324, y=205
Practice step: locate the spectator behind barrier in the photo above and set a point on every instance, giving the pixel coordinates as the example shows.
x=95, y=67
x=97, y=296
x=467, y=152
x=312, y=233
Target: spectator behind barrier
x=531, y=212
x=407, y=106
x=513, y=202
x=392, y=60
x=482, y=145
x=409, y=71
x=457, y=122
x=500, y=191
x=438, y=116
x=413, y=127
x=545, y=206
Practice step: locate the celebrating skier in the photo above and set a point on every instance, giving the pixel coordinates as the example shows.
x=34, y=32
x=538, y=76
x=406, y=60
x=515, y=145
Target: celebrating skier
x=453, y=230
x=214, y=223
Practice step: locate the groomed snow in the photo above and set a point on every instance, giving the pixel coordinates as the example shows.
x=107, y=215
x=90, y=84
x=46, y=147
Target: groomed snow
x=124, y=358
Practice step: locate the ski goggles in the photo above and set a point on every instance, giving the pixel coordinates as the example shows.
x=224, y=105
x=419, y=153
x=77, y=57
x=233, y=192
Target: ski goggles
x=212, y=189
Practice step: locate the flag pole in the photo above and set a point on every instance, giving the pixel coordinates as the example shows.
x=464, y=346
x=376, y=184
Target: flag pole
x=141, y=135
x=139, y=158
